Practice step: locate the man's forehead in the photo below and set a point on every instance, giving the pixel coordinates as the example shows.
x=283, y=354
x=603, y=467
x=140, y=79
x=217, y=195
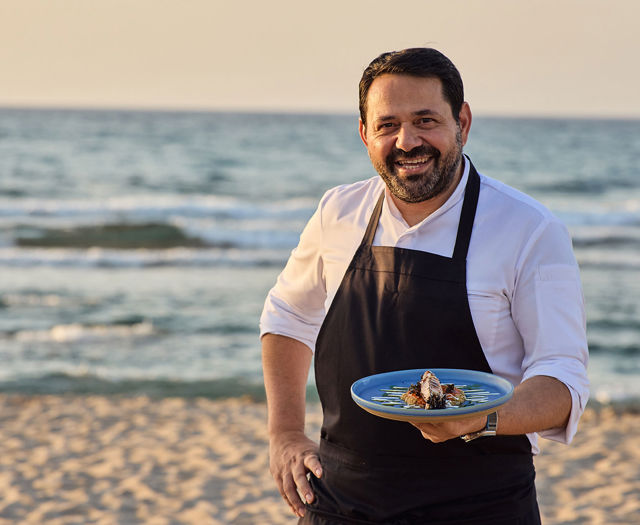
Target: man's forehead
x=391, y=94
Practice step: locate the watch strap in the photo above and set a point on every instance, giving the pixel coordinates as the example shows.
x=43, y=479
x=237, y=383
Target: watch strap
x=490, y=429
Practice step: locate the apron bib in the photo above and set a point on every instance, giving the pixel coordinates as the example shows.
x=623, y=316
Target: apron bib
x=402, y=309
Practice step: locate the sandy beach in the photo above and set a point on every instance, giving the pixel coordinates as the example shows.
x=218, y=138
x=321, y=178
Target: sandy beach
x=115, y=460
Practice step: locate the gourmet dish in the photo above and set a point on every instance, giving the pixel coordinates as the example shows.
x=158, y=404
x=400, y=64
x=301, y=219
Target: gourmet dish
x=429, y=393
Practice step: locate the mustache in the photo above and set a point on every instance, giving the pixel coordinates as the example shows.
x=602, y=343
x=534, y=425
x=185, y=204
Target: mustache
x=419, y=151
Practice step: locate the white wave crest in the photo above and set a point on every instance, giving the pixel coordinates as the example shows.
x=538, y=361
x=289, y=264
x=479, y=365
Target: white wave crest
x=142, y=208
x=78, y=333
x=99, y=257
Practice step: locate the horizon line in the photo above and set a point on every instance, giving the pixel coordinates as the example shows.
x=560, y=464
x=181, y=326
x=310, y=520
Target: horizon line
x=295, y=111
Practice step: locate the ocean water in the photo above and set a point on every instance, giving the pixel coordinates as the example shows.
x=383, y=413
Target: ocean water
x=136, y=248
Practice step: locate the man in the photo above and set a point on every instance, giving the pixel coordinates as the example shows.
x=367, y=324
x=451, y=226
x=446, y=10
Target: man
x=431, y=265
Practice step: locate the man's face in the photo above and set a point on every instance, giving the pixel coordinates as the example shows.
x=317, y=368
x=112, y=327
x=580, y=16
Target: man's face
x=413, y=140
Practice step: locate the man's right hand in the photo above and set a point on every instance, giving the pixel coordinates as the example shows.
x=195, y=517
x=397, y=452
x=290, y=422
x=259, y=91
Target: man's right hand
x=285, y=363
x=291, y=456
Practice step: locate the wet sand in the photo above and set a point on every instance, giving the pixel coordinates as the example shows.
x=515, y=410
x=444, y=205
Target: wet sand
x=115, y=460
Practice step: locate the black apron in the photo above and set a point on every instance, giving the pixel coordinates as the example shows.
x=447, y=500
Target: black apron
x=402, y=309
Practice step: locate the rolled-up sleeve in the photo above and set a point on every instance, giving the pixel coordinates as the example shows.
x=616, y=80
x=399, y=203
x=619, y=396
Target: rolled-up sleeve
x=548, y=309
x=295, y=305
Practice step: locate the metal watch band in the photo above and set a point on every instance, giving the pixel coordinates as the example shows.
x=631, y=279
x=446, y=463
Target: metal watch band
x=490, y=429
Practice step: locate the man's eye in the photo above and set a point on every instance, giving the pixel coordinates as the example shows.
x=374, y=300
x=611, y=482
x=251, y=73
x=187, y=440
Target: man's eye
x=386, y=125
x=426, y=120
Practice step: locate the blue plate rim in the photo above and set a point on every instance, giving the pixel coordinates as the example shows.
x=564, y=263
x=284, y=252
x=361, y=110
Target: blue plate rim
x=502, y=384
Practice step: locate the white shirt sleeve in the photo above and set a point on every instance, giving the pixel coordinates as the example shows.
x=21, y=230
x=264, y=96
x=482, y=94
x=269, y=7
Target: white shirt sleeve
x=548, y=310
x=295, y=305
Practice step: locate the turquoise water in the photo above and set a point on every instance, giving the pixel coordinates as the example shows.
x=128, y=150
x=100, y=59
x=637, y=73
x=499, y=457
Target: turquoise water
x=136, y=248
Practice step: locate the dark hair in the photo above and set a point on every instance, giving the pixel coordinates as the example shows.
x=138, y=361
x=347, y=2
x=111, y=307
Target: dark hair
x=422, y=62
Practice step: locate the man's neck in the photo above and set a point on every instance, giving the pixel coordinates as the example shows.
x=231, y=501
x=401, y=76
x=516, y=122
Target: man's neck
x=415, y=212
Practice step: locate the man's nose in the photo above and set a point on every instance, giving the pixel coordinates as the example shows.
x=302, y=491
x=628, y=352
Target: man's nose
x=407, y=139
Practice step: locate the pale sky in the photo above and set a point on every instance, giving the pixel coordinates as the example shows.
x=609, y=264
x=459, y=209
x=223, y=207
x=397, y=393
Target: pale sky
x=516, y=57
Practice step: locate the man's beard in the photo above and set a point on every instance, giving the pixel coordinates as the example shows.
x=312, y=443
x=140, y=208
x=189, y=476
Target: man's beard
x=426, y=185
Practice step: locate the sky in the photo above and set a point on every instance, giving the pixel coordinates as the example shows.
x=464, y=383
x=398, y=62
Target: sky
x=575, y=58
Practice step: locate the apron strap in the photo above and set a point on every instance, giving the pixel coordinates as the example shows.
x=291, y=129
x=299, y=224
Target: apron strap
x=465, y=226
x=467, y=215
x=370, y=233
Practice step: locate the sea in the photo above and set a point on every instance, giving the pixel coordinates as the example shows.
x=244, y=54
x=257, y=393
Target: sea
x=137, y=247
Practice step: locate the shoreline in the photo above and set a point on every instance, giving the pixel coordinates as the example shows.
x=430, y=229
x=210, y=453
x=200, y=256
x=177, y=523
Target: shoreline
x=66, y=385
x=115, y=459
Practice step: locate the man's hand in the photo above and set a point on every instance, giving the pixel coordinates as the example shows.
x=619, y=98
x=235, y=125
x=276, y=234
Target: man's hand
x=539, y=403
x=286, y=364
x=292, y=456
x=439, y=432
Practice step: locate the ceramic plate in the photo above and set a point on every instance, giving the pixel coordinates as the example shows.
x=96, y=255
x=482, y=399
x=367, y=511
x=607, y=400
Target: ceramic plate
x=380, y=394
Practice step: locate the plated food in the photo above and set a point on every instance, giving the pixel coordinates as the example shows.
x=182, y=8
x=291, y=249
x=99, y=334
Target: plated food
x=382, y=394
x=429, y=393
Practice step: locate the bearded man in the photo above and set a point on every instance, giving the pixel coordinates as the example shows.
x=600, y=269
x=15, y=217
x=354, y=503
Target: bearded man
x=429, y=265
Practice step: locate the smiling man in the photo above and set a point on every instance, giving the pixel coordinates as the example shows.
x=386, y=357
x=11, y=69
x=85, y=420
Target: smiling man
x=417, y=151
x=429, y=265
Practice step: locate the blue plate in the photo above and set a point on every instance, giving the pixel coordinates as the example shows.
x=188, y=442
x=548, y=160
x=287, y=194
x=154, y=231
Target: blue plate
x=380, y=394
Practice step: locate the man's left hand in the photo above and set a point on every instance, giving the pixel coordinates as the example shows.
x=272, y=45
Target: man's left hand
x=439, y=432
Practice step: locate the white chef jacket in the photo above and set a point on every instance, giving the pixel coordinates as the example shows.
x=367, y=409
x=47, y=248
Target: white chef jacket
x=523, y=281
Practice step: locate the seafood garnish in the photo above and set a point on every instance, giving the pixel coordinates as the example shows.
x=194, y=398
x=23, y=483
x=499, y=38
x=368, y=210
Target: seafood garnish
x=429, y=393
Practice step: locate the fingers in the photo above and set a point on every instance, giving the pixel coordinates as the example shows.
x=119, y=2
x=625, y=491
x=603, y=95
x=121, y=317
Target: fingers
x=294, y=487
x=290, y=494
x=312, y=462
x=439, y=432
x=432, y=433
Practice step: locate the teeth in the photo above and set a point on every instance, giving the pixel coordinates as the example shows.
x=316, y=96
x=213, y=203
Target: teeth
x=412, y=162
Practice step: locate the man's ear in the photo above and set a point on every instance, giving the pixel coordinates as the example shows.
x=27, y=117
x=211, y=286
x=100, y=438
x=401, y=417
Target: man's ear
x=363, y=132
x=464, y=119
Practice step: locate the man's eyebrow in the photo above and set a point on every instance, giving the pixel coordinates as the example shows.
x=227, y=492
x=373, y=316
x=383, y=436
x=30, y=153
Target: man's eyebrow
x=423, y=112
x=419, y=113
x=385, y=118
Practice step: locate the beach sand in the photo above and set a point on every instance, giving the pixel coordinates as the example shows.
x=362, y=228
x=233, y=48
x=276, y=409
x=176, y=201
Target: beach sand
x=116, y=460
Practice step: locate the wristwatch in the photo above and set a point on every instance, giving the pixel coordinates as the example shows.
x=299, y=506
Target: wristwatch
x=490, y=429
